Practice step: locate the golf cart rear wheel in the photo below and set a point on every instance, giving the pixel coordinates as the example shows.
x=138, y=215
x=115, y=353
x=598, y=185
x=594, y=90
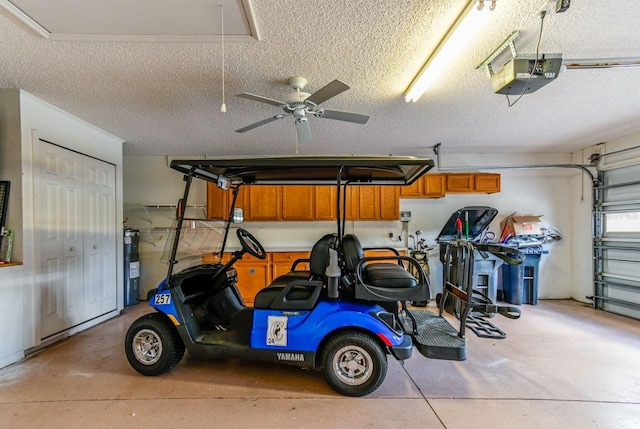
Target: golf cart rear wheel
x=354, y=363
x=153, y=345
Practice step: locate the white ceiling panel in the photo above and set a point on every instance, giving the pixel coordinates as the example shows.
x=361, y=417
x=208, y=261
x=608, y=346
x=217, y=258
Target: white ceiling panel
x=164, y=98
x=140, y=20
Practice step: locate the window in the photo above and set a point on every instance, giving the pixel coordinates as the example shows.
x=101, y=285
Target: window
x=622, y=222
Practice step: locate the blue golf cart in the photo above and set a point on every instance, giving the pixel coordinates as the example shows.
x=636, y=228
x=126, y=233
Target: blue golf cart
x=344, y=315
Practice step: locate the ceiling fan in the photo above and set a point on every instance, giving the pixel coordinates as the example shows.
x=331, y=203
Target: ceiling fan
x=301, y=105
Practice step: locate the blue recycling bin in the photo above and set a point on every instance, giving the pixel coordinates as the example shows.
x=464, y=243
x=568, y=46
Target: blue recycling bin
x=520, y=282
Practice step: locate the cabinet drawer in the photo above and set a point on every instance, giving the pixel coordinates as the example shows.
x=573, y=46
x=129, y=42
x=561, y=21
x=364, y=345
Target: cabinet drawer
x=288, y=256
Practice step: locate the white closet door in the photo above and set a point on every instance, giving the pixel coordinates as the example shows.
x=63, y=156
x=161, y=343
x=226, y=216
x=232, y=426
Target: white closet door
x=58, y=206
x=109, y=236
x=99, y=238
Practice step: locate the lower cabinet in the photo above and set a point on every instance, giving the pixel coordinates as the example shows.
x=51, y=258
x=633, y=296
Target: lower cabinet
x=281, y=262
x=255, y=274
x=252, y=277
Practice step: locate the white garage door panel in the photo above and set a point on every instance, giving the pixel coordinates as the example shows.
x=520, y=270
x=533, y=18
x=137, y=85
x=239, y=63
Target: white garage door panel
x=617, y=249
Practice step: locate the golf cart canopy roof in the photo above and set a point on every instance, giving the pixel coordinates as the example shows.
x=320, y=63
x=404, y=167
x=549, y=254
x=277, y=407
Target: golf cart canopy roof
x=308, y=170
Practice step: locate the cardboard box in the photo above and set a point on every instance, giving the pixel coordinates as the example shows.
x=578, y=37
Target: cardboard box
x=516, y=224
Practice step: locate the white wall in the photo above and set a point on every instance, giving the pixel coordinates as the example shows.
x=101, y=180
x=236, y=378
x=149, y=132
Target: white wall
x=541, y=192
x=19, y=298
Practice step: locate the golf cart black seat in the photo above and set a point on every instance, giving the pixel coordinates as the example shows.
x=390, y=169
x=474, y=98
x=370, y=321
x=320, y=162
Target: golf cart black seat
x=299, y=290
x=318, y=262
x=383, y=281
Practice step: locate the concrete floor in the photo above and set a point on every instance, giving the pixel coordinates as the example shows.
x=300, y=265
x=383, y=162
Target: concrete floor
x=562, y=365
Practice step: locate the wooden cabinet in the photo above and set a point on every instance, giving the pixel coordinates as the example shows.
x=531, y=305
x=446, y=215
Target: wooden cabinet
x=376, y=202
x=485, y=183
x=255, y=274
x=281, y=262
x=305, y=203
x=389, y=202
x=325, y=203
x=434, y=185
x=428, y=186
x=367, y=202
x=262, y=202
x=297, y=202
x=460, y=182
x=415, y=190
x=218, y=202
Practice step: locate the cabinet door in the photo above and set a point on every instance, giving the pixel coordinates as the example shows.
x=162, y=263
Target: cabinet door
x=367, y=202
x=251, y=279
x=434, y=185
x=297, y=202
x=416, y=189
x=487, y=183
x=282, y=262
x=217, y=202
x=389, y=202
x=460, y=183
x=262, y=202
x=325, y=207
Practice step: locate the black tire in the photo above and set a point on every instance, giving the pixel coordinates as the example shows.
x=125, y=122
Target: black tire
x=153, y=345
x=354, y=363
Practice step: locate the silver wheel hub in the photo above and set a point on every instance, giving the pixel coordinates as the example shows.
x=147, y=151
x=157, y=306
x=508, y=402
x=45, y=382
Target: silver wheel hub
x=147, y=347
x=353, y=365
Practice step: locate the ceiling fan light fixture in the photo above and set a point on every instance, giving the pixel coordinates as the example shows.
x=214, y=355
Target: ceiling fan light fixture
x=468, y=23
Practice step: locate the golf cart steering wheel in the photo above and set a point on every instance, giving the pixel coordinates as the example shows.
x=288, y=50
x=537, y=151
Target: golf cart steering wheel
x=250, y=244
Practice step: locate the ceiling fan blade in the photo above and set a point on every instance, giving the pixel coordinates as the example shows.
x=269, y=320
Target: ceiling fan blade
x=326, y=92
x=259, y=124
x=342, y=116
x=261, y=99
x=304, y=131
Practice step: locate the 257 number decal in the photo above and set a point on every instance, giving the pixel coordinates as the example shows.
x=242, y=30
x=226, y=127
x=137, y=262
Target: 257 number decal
x=162, y=299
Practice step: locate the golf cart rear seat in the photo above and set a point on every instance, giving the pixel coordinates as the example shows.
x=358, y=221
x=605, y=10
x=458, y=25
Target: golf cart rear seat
x=299, y=290
x=383, y=281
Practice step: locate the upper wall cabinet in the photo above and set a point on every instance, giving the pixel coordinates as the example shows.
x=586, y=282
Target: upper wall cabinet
x=364, y=202
x=428, y=186
x=305, y=203
x=375, y=202
x=486, y=183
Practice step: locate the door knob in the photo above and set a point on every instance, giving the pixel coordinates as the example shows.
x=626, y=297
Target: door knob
x=95, y=247
x=71, y=249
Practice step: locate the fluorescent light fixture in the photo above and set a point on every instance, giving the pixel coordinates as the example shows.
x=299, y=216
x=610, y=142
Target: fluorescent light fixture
x=465, y=26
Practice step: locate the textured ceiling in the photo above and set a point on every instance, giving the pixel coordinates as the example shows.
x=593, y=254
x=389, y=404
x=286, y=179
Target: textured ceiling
x=164, y=98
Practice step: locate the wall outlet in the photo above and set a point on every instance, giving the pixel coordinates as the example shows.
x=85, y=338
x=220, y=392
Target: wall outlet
x=405, y=216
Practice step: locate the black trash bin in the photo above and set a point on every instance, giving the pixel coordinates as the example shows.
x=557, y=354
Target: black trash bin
x=131, y=267
x=475, y=220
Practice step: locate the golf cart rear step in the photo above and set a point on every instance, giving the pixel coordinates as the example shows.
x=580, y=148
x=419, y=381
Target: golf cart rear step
x=436, y=338
x=483, y=328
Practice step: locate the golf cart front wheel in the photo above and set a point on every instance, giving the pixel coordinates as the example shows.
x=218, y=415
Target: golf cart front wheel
x=354, y=363
x=153, y=345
